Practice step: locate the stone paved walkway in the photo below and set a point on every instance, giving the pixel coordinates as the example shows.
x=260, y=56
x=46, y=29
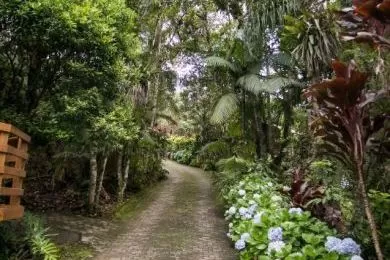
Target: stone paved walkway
x=181, y=223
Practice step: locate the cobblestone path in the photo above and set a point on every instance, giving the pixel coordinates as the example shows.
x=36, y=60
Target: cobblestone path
x=182, y=223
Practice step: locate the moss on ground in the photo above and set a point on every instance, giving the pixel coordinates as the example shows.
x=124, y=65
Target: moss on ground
x=136, y=203
x=76, y=252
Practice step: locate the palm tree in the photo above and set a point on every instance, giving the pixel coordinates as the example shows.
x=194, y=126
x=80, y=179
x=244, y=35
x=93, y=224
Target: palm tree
x=251, y=93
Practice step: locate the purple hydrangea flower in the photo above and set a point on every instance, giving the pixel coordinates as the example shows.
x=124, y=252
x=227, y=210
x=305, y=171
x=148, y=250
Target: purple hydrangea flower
x=332, y=243
x=252, y=209
x=275, y=234
x=348, y=247
x=240, y=244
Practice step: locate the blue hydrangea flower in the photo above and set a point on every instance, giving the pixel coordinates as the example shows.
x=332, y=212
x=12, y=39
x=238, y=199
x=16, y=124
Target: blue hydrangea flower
x=356, y=257
x=297, y=211
x=245, y=237
x=240, y=244
x=241, y=192
x=232, y=210
x=275, y=234
x=332, y=243
x=275, y=246
x=348, y=247
x=242, y=211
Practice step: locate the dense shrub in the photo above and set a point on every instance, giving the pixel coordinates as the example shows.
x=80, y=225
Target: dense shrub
x=264, y=226
x=182, y=149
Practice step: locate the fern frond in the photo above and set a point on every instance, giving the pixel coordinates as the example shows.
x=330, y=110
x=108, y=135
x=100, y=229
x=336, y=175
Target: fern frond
x=233, y=164
x=226, y=106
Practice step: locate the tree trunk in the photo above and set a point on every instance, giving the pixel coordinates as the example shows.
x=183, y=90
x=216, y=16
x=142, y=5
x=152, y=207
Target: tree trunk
x=258, y=138
x=119, y=174
x=125, y=177
x=155, y=100
x=92, y=180
x=359, y=148
x=101, y=178
x=369, y=215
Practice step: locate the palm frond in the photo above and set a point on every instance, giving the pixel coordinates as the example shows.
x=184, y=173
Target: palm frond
x=226, y=106
x=215, y=61
x=254, y=84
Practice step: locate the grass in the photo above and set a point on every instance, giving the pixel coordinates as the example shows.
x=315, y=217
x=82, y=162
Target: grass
x=75, y=252
x=136, y=202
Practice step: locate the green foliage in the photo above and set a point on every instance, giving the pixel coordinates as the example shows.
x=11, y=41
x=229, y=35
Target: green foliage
x=27, y=240
x=380, y=202
x=259, y=196
x=38, y=238
x=312, y=40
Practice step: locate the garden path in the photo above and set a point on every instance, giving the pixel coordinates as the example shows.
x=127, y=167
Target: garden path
x=183, y=222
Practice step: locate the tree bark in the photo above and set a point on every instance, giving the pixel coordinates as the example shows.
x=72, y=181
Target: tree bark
x=119, y=173
x=101, y=178
x=359, y=147
x=92, y=180
x=125, y=177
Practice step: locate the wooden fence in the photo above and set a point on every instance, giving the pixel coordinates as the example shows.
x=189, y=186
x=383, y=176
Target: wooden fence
x=13, y=157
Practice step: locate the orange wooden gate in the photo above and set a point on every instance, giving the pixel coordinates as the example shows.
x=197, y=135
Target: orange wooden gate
x=13, y=157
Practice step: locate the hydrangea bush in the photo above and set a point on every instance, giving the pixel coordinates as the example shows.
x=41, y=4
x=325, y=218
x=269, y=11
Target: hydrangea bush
x=263, y=225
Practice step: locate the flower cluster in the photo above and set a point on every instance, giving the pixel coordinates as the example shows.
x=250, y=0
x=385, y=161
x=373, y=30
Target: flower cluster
x=297, y=211
x=346, y=246
x=262, y=223
x=275, y=234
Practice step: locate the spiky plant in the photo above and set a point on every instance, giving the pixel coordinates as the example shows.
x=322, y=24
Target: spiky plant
x=340, y=119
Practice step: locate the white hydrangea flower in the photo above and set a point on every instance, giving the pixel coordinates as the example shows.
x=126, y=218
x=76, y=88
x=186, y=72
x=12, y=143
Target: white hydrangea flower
x=251, y=202
x=356, y=257
x=241, y=192
x=276, y=198
x=229, y=235
x=232, y=210
x=275, y=246
x=256, y=196
x=269, y=184
x=257, y=218
x=245, y=237
x=230, y=225
x=243, y=211
x=297, y=211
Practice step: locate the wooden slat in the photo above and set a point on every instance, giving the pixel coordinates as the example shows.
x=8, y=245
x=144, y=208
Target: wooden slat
x=9, y=213
x=11, y=191
x=12, y=150
x=13, y=130
x=10, y=171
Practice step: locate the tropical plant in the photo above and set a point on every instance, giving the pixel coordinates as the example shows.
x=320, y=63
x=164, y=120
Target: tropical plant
x=340, y=119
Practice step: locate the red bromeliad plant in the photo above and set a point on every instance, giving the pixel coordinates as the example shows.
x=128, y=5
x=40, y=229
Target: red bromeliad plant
x=340, y=119
x=310, y=196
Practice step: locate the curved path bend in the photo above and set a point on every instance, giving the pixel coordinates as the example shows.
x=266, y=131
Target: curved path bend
x=182, y=223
